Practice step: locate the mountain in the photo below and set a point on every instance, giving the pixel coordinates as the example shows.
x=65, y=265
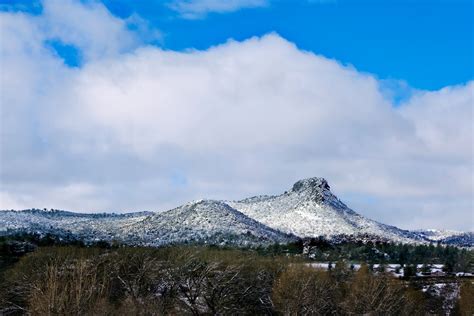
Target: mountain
x=205, y=221
x=447, y=237
x=308, y=210
x=211, y=222
x=87, y=227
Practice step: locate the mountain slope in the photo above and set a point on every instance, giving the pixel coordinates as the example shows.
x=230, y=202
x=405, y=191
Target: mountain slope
x=208, y=221
x=448, y=237
x=310, y=209
x=87, y=227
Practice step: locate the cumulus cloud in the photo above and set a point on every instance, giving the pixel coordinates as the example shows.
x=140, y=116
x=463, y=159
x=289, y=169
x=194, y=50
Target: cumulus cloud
x=89, y=26
x=138, y=127
x=195, y=9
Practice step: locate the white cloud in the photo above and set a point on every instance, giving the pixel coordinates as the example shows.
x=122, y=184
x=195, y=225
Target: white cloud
x=145, y=128
x=78, y=196
x=443, y=121
x=89, y=26
x=195, y=9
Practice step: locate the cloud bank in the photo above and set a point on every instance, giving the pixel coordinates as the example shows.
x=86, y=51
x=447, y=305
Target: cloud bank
x=138, y=127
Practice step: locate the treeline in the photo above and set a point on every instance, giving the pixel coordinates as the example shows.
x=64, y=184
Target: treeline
x=75, y=280
x=454, y=258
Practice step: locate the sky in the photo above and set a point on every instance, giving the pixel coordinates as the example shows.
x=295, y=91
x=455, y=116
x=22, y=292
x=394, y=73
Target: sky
x=121, y=105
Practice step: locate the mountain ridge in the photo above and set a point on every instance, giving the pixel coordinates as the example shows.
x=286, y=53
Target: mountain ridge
x=308, y=210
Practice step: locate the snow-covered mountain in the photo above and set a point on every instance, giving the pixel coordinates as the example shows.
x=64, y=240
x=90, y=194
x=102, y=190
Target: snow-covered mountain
x=207, y=221
x=448, y=237
x=308, y=210
x=87, y=227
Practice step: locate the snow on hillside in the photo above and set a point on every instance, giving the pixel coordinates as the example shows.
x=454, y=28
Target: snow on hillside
x=89, y=227
x=208, y=221
x=437, y=235
x=311, y=210
x=448, y=237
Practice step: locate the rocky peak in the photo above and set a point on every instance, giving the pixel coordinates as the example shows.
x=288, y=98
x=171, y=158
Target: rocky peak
x=317, y=188
x=311, y=184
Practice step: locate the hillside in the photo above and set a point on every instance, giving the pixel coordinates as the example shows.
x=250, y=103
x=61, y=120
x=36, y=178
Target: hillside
x=205, y=221
x=310, y=209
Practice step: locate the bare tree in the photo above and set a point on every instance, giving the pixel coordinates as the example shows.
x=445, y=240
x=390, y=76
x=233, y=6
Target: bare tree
x=302, y=290
x=368, y=294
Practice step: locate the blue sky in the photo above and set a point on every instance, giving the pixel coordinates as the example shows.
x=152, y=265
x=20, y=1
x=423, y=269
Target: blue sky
x=145, y=105
x=428, y=44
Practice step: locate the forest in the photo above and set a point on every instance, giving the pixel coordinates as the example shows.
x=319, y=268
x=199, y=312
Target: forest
x=51, y=278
